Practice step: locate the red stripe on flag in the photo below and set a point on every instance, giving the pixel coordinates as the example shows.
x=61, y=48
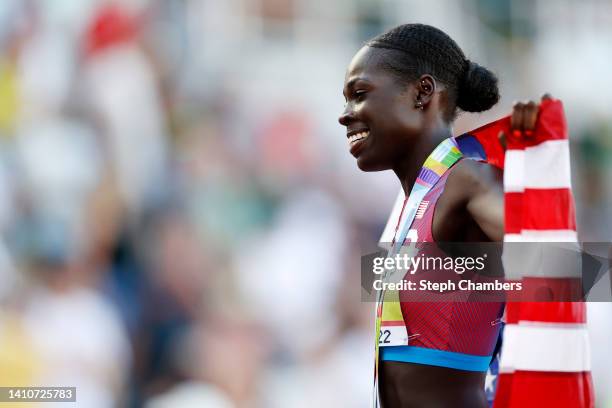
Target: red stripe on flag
x=513, y=313
x=513, y=212
x=548, y=209
x=534, y=389
x=503, y=394
x=548, y=312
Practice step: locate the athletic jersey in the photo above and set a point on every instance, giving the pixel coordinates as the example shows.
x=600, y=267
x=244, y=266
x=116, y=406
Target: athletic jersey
x=454, y=334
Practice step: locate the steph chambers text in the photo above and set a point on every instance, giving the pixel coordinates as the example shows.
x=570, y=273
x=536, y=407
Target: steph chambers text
x=448, y=286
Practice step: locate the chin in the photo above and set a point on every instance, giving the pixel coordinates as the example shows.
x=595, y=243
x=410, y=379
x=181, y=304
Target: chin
x=367, y=164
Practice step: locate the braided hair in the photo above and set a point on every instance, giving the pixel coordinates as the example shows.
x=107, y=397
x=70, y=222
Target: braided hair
x=418, y=49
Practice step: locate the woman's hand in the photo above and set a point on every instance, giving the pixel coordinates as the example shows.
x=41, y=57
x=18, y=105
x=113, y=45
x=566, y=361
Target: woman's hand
x=523, y=119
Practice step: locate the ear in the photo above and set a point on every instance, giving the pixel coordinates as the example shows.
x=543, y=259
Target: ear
x=425, y=89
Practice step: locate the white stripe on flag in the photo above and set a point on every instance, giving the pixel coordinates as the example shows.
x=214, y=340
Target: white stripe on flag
x=547, y=165
x=544, y=166
x=545, y=348
x=514, y=171
x=543, y=236
x=542, y=259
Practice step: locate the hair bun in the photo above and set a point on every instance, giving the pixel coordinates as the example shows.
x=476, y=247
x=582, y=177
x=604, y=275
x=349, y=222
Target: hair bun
x=478, y=90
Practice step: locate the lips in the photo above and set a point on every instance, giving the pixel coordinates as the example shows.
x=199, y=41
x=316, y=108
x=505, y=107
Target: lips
x=357, y=140
x=358, y=136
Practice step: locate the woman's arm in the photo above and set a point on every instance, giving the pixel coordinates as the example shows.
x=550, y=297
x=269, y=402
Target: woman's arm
x=485, y=201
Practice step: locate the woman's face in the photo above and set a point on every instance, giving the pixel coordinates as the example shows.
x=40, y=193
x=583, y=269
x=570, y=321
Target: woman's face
x=381, y=120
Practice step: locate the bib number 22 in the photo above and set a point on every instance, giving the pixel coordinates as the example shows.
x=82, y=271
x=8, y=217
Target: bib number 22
x=383, y=337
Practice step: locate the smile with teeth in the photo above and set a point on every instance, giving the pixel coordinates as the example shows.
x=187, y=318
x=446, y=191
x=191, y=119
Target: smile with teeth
x=357, y=137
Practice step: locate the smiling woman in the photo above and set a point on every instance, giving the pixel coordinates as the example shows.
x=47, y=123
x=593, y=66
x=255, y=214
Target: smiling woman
x=403, y=90
x=394, y=77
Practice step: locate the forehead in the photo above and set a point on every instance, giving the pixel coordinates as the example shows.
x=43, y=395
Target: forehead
x=365, y=63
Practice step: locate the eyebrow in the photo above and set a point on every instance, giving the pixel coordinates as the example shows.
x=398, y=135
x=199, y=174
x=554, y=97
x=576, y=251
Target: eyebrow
x=351, y=83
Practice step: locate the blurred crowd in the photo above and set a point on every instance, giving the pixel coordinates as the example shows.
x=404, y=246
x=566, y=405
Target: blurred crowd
x=181, y=224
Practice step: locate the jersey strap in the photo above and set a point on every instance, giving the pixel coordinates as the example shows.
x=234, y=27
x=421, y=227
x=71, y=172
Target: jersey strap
x=390, y=327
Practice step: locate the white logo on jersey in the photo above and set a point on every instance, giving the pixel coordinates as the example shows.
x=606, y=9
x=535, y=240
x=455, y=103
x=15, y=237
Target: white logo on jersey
x=412, y=237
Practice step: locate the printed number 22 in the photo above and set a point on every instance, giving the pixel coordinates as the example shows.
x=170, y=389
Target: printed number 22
x=384, y=340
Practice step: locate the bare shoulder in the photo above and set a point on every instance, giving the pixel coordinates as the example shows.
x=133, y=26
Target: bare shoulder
x=475, y=192
x=471, y=206
x=470, y=177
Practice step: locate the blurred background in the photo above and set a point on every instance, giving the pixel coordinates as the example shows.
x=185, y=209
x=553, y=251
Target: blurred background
x=180, y=220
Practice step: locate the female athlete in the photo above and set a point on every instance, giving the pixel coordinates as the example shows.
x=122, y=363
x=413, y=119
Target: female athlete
x=403, y=90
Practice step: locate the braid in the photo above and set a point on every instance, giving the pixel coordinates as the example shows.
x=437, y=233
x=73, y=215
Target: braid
x=418, y=49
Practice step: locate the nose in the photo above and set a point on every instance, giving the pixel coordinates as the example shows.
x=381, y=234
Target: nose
x=346, y=116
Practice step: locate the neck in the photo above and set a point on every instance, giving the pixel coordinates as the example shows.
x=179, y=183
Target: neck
x=408, y=168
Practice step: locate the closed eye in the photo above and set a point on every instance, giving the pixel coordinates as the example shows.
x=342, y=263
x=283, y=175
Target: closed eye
x=360, y=94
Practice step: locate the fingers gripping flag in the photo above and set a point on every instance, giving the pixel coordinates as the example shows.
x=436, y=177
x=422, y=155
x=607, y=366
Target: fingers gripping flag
x=545, y=359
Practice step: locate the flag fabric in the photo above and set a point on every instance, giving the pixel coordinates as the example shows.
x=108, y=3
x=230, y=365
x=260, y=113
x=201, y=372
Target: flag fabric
x=545, y=360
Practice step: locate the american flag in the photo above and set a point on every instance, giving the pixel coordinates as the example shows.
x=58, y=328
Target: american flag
x=545, y=356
